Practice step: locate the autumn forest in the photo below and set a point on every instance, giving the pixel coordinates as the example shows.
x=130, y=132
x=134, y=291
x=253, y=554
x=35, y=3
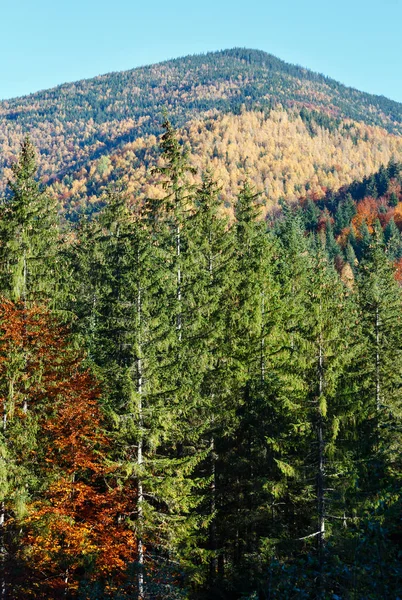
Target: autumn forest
x=201, y=338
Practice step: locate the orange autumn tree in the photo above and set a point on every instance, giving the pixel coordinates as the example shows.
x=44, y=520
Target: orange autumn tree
x=66, y=517
x=367, y=212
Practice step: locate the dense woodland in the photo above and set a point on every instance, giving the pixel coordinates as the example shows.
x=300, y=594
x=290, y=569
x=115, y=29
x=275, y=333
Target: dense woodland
x=245, y=110
x=285, y=154
x=196, y=405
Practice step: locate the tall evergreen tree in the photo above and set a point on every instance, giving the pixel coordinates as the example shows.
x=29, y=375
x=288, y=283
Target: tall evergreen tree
x=329, y=350
x=252, y=342
x=332, y=248
x=210, y=280
x=345, y=212
x=393, y=241
x=378, y=410
x=309, y=452
x=131, y=335
x=29, y=233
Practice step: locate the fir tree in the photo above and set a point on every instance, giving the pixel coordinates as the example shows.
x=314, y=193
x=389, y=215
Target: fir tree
x=365, y=239
x=393, y=241
x=309, y=453
x=378, y=406
x=382, y=180
x=311, y=215
x=253, y=342
x=351, y=256
x=345, y=212
x=28, y=221
x=331, y=246
x=393, y=200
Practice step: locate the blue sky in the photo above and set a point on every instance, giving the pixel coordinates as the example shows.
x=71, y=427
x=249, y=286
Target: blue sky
x=47, y=42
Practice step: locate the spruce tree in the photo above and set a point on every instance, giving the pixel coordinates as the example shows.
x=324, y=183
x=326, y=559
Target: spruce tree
x=376, y=372
x=29, y=233
x=210, y=278
x=329, y=351
x=332, y=248
x=311, y=214
x=351, y=256
x=311, y=410
x=393, y=200
x=131, y=333
x=345, y=212
x=393, y=241
x=253, y=315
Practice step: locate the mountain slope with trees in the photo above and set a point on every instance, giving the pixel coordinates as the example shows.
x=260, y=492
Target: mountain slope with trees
x=80, y=128
x=283, y=156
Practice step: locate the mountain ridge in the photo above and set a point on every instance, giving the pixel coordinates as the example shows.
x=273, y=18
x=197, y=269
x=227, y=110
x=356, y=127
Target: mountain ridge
x=298, y=68
x=223, y=64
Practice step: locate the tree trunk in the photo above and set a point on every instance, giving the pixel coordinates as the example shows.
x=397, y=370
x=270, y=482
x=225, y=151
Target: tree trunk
x=212, y=531
x=3, y=553
x=24, y=286
x=377, y=359
x=178, y=252
x=140, y=497
x=24, y=299
x=321, y=476
x=262, y=349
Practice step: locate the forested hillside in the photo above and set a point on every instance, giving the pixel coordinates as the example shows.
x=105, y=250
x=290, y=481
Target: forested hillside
x=346, y=220
x=294, y=132
x=201, y=405
x=283, y=154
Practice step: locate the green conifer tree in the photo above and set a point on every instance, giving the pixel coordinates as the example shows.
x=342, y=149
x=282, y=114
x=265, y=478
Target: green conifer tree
x=311, y=215
x=378, y=412
x=332, y=248
x=393, y=200
x=29, y=234
x=345, y=212
x=309, y=455
x=252, y=321
x=393, y=241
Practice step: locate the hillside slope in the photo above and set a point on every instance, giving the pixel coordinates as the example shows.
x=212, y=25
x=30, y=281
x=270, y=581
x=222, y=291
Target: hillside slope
x=75, y=124
x=277, y=151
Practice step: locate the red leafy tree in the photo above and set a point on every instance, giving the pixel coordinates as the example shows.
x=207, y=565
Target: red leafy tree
x=76, y=524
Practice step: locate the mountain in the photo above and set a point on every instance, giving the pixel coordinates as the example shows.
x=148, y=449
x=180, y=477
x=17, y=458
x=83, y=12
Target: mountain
x=274, y=116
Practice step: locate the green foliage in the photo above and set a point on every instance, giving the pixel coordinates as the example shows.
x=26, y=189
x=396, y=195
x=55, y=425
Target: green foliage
x=29, y=233
x=251, y=399
x=393, y=241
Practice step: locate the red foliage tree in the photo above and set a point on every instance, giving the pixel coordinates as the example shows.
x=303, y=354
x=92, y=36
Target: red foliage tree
x=76, y=525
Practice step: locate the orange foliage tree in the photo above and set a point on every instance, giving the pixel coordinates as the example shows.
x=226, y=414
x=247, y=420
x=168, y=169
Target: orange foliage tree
x=75, y=525
x=367, y=212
